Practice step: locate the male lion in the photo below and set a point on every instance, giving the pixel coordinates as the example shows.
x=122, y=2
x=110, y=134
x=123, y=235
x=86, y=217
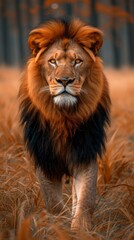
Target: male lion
x=64, y=111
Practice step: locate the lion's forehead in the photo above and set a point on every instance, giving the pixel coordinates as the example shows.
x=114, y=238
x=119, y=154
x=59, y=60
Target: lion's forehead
x=58, y=51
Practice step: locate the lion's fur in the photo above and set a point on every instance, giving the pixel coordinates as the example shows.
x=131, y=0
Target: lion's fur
x=63, y=139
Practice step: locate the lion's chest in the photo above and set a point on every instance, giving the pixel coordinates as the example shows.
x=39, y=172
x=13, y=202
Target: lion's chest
x=57, y=157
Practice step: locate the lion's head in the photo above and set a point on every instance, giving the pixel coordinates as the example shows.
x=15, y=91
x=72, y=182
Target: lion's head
x=66, y=54
x=64, y=74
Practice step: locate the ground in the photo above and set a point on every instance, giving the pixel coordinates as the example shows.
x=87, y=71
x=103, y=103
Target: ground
x=22, y=214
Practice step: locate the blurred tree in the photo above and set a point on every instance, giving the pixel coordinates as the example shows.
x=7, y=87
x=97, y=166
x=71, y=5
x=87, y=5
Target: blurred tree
x=93, y=13
x=5, y=32
x=130, y=32
x=115, y=39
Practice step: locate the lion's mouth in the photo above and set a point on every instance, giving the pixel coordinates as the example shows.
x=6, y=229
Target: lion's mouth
x=65, y=93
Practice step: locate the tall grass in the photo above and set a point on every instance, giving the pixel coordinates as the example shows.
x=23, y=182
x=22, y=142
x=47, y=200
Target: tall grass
x=22, y=212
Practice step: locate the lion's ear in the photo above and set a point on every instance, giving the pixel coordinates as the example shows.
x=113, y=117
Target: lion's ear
x=34, y=42
x=89, y=37
x=96, y=40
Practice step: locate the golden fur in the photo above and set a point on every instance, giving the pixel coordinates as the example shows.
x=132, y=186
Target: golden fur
x=64, y=83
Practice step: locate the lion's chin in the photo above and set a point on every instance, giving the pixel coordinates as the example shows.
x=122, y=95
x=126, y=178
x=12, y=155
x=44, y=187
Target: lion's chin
x=66, y=100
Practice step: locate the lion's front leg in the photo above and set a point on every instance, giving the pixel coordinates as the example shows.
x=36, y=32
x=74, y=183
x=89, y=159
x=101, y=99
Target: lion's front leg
x=85, y=185
x=52, y=193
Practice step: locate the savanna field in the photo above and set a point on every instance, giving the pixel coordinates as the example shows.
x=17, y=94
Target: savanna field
x=22, y=213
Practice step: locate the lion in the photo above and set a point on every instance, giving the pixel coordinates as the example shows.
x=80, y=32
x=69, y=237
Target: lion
x=65, y=111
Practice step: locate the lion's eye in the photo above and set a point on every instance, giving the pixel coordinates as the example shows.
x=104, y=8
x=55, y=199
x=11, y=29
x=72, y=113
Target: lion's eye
x=52, y=61
x=78, y=61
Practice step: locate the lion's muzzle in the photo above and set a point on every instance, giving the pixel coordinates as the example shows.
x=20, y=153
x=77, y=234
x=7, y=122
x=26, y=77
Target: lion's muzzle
x=65, y=81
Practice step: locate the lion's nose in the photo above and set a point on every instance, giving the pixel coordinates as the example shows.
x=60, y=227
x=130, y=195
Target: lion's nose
x=65, y=81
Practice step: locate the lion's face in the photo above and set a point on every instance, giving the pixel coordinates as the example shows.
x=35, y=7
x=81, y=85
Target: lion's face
x=65, y=70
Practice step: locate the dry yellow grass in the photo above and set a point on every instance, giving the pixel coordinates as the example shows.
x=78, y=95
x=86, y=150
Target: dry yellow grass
x=22, y=214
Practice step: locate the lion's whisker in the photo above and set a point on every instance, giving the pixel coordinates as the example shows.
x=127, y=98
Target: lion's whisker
x=44, y=89
x=56, y=88
x=74, y=89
